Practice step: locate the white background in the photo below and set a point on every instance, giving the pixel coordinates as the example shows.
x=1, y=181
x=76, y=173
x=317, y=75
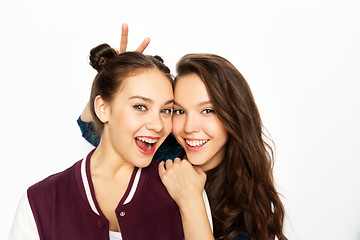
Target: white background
x=301, y=59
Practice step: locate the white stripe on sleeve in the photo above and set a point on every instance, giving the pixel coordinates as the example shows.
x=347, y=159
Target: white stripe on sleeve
x=208, y=210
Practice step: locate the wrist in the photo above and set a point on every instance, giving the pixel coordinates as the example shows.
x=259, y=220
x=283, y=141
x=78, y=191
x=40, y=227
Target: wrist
x=191, y=204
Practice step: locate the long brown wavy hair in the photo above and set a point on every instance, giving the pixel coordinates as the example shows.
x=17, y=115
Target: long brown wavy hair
x=241, y=188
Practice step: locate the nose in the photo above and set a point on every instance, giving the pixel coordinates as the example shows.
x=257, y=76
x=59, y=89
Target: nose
x=154, y=123
x=191, y=124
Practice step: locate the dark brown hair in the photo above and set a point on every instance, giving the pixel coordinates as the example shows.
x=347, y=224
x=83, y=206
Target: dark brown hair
x=113, y=69
x=241, y=188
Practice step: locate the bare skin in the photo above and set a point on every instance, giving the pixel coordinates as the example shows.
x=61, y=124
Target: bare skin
x=110, y=183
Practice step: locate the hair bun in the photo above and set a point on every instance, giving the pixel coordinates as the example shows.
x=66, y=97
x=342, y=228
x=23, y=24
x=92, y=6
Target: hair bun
x=159, y=62
x=100, y=55
x=158, y=58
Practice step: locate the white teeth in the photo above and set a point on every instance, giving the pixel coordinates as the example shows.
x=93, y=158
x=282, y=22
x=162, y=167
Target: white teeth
x=147, y=140
x=195, y=143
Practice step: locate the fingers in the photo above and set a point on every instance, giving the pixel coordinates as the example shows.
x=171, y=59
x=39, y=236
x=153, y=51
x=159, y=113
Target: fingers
x=178, y=164
x=168, y=164
x=162, y=169
x=143, y=45
x=177, y=160
x=124, y=41
x=124, y=38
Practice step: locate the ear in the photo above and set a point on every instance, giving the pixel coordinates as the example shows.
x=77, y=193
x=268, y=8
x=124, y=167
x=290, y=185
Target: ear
x=101, y=109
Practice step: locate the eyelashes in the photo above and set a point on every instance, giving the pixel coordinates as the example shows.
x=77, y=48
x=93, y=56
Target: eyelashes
x=208, y=111
x=140, y=107
x=143, y=108
x=166, y=111
x=205, y=111
x=179, y=112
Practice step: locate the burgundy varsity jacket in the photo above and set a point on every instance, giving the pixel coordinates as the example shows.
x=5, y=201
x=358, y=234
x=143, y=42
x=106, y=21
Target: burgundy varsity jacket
x=64, y=207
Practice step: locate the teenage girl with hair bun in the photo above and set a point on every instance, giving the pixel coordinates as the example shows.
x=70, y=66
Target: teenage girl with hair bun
x=114, y=192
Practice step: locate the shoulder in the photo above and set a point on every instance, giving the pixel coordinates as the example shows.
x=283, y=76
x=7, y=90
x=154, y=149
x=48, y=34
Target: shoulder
x=153, y=167
x=55, y=182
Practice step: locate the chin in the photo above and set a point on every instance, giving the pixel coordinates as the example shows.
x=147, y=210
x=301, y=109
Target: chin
x=195, y=161
x=144, y=161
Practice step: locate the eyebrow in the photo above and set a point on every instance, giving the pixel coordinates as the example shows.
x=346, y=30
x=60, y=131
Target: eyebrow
x=200, y=104
x=141, y=97
x=149, y=100
x=205, y=102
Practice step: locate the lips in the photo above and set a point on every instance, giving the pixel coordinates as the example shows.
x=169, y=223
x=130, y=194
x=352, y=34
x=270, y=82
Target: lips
x=195, y=145
x=146, y=145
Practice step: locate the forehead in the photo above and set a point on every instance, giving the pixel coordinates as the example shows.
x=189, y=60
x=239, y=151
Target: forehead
x=190, y=89
x=150, y=83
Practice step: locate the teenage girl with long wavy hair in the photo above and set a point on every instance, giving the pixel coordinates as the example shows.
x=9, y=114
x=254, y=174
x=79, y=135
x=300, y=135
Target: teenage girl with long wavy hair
x=218, y=124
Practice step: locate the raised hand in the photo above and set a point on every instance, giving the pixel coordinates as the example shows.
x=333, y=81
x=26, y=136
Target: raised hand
x=183, y=181
x=124, y=41
x=185, y=184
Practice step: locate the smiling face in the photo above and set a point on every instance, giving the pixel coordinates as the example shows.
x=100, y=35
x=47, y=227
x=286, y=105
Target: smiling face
x=196, y=125
x=139, y=117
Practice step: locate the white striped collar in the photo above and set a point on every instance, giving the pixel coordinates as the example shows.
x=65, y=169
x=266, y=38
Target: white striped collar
x=86, y=184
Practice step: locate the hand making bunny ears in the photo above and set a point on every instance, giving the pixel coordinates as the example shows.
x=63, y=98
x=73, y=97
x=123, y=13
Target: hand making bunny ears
x=124, y=41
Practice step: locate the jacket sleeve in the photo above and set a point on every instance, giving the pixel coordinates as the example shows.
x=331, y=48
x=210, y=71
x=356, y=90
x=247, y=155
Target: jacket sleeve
x=24, y=225
x=88, y=132
x=243, y=235
x=169, y=149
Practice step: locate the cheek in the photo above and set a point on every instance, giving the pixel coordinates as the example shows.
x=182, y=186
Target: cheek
x=129, y=122
x=177, y=125
x=216, y=129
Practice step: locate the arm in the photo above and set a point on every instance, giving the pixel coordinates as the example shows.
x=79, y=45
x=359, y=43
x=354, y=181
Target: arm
x=24, y=226
x=185, y=185
x=88, y=132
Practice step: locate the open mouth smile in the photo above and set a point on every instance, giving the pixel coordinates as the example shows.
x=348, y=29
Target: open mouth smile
x=146, y=145
x=195, y=145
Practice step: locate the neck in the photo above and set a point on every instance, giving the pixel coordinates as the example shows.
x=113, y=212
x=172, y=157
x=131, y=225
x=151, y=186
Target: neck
x=106, y=161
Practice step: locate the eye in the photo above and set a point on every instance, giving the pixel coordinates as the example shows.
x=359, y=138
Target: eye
x=166, y=111
x=179, y=112
x=140, y=107
x=208, y=111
